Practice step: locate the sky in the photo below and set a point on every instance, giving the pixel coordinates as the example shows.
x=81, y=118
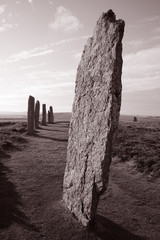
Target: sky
x=41, y=42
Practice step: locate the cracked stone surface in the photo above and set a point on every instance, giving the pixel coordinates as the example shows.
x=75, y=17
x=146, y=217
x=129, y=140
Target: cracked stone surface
x=95, y=117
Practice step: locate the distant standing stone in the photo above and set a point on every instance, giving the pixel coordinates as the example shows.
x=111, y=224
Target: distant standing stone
x=95, y=116
x=135, y=119
x=43, y=114
x=51, y=115
x=30, y=124
x=37, y=111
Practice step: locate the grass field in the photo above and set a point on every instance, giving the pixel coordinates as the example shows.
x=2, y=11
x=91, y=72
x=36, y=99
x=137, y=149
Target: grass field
x=139, y=144
x=31, y=177
x=135, y=142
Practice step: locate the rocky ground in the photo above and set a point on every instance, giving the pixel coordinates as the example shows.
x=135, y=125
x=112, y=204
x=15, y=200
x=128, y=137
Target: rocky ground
x=31, y=177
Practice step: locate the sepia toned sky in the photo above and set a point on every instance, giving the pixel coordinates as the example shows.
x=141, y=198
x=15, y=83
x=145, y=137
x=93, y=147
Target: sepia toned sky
x=41, y=42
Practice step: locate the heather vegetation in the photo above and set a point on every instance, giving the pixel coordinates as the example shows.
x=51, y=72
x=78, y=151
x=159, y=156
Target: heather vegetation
x=139, y=143
x=11, y=136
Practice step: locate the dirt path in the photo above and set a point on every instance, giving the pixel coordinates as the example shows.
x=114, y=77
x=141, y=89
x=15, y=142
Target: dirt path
x=31, y=193
x=32, y=208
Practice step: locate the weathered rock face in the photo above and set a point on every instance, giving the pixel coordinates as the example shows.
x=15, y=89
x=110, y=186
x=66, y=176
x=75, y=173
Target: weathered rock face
x=51, y=114
x=30, y=124
x=43, y=114
x=37, y=111
x=95, y=116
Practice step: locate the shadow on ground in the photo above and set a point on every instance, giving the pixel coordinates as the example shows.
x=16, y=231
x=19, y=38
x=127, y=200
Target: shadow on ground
x=3, y=154
x=58, y=139
x=52, y=138
x=65, y=122
x=10, y=203
x=50, y=130
x=105, y=229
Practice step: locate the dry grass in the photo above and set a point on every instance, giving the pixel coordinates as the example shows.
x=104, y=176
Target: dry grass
x=139, y=143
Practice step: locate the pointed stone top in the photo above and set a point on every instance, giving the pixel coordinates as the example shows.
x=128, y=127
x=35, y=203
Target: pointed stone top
x=110, y=15
x=107, y=21
x=31, y=96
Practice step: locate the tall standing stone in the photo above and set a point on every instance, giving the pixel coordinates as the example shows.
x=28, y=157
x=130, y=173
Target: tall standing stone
x=95, y=116
x=51, y=114
x=37, y=111
x=30, y=124
x=43, y=114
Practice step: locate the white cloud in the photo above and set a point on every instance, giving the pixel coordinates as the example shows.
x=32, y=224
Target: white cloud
x=2, y=9
x=5, y=22
x=5, y=26
x=77, y=56
x=47, y=76
x=151, y=19
x=36, y=52
x=30, y=1
x=26, y=67
x=49, y=86
x=141, y=70
x=138, y=44
x=157, y=30
x=51, y=2
x=64, y=20
x=29, y=54
x=69, y=40
x=147, y=20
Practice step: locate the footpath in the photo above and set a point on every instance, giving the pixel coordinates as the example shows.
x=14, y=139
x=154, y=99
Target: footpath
x=31, y=206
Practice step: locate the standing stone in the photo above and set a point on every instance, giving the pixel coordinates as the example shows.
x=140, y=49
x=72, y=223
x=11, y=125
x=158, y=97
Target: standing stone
x=37, y=110
x=135, y=119
x=30, y=125
x=51, y=115
x=43, y=114
x=95, y=116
